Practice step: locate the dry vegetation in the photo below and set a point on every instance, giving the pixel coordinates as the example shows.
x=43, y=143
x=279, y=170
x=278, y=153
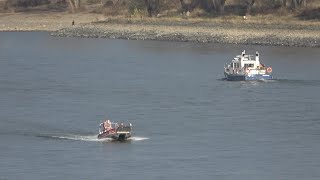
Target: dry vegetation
x=261, y=12
x=170, y=8
x=265, y=24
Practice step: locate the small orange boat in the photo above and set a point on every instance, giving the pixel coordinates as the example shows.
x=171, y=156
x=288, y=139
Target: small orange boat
x=114, y=131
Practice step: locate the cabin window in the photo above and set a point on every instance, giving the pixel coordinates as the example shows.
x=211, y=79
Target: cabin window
x=248, y=65
x=231, y=65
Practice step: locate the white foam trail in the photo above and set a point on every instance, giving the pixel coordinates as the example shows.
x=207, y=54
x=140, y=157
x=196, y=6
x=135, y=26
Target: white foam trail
x=136, y=138
x=267, y=81
x=93, y=138
x=81, y=137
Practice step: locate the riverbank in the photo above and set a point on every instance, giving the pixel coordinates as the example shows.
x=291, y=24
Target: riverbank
x=230, y=30
x=204, y=31
x=44, y=21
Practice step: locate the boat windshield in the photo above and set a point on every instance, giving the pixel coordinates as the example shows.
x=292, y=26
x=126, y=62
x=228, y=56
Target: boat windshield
x=248, y=65
x=235, y=65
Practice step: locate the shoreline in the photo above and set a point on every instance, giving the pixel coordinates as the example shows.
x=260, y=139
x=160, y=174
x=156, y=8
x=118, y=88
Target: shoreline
x=200, y=32
x=268, y=33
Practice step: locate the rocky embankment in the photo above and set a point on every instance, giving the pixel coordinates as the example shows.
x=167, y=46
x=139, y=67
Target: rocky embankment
x=199, y=31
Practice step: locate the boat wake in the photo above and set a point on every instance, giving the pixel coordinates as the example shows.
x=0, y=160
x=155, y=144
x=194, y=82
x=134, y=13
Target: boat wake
x=136, y=138
x=267, y=81
x=89, y=138
x=78, y=137
x=299, y=82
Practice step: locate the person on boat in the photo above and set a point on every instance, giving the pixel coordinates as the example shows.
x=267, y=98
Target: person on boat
x=243, y=53
x=107, y=125
x=102, y=129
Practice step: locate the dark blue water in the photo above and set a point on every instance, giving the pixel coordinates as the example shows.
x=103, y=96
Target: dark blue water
x=188, y=122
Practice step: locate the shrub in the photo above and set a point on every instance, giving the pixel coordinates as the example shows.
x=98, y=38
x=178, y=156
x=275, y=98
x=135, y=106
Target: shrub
x=136, y=6
x=310, y=14
x=25, y=3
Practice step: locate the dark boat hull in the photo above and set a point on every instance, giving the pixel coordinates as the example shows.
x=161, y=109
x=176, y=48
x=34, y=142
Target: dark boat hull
x=233, y=77
x=115, y=136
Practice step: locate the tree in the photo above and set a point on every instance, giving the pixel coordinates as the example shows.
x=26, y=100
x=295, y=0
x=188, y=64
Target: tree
x=189, y=5
x=218, y=5
x=298, y=3
x=284, y=3
x=74, y=5
x=152, y=7
x=248, y=5
x=184, y=6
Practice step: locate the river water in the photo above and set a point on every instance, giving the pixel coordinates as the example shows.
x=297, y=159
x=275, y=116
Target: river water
x=188, y=122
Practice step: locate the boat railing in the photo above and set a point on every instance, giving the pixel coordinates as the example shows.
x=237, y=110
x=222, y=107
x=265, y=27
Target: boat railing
x=113, y=126
x=125, y=129
x=239, y=71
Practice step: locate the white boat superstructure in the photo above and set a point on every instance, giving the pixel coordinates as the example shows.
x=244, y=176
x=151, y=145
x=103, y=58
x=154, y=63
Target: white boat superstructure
x=247, y=67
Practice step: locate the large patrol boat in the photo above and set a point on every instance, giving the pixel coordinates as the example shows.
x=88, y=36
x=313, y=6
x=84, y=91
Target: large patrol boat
x=247, y=67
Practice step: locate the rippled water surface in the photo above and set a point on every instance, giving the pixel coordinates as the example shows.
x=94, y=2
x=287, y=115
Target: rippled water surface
x=189, y=123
